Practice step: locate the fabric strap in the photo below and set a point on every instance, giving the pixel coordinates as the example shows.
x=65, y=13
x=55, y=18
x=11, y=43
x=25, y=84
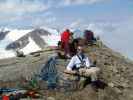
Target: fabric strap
x=82, y=62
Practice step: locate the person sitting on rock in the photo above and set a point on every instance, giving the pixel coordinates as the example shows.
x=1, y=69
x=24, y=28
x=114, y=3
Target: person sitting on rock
x=80, y=64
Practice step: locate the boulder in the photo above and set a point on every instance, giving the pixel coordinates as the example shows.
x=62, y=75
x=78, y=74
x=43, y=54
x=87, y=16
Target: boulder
x=20, y=54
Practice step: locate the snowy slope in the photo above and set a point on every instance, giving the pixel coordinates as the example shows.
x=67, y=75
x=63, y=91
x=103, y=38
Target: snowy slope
x=28, y=41
x=12, y=36
x=16, y=34
x=31, y=47
x=6, y=54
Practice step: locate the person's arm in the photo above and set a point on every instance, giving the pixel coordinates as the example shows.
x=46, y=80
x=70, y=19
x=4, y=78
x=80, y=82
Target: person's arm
x=87, y=62
x=71, y=64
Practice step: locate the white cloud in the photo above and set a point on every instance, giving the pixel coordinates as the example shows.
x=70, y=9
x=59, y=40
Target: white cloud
x=14, y=11
x=121, y=38
x=17, y=6
x=20, y=7
x=101, y=28
x=76, y=24
x=47, y=19
x=78, y=2
x=117, y=36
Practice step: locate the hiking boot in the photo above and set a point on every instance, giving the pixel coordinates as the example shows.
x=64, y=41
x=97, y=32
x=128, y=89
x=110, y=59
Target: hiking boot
x=94, y=86
x=98, y=84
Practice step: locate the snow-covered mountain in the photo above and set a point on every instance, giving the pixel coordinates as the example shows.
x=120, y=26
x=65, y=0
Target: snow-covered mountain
x=28, y=40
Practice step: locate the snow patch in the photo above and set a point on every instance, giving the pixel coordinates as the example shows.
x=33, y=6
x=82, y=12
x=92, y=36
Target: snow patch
x=52, y=40
x=6, y=54
x=31, y=47
x=52, y=31
x=17, y=34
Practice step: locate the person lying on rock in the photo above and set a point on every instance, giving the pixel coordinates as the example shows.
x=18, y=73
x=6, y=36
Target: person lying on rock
x=80, y=64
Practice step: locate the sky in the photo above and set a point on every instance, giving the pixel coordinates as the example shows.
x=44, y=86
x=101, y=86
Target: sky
x=111, y=19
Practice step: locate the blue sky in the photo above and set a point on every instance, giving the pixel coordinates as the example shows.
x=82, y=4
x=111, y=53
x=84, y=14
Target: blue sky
x=23, y=13
x=112, y=19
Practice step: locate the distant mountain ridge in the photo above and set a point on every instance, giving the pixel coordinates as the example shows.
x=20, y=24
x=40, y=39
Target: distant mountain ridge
x=37, y=39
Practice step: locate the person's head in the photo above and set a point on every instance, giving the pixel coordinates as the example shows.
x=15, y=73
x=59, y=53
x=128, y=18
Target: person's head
x=88, y=31
x=59, y=45
x=67, y=30
x=71, y=33
x=80, y=49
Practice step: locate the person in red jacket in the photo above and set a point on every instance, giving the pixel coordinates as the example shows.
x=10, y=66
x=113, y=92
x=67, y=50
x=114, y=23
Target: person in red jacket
x=65, y=38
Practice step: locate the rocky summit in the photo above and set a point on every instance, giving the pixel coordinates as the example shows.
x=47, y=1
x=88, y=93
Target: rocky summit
x=116, y=73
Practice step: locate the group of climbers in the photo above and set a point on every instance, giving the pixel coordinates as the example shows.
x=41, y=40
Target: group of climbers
x=80, y=64
x=69, y=45
x=74, y=49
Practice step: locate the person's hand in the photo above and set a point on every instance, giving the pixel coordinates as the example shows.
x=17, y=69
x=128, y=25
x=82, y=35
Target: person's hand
x=82, y=66
x=87, y=67
x=70, y=71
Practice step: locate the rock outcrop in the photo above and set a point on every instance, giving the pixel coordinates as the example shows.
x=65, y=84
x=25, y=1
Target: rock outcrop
x=116, y=72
